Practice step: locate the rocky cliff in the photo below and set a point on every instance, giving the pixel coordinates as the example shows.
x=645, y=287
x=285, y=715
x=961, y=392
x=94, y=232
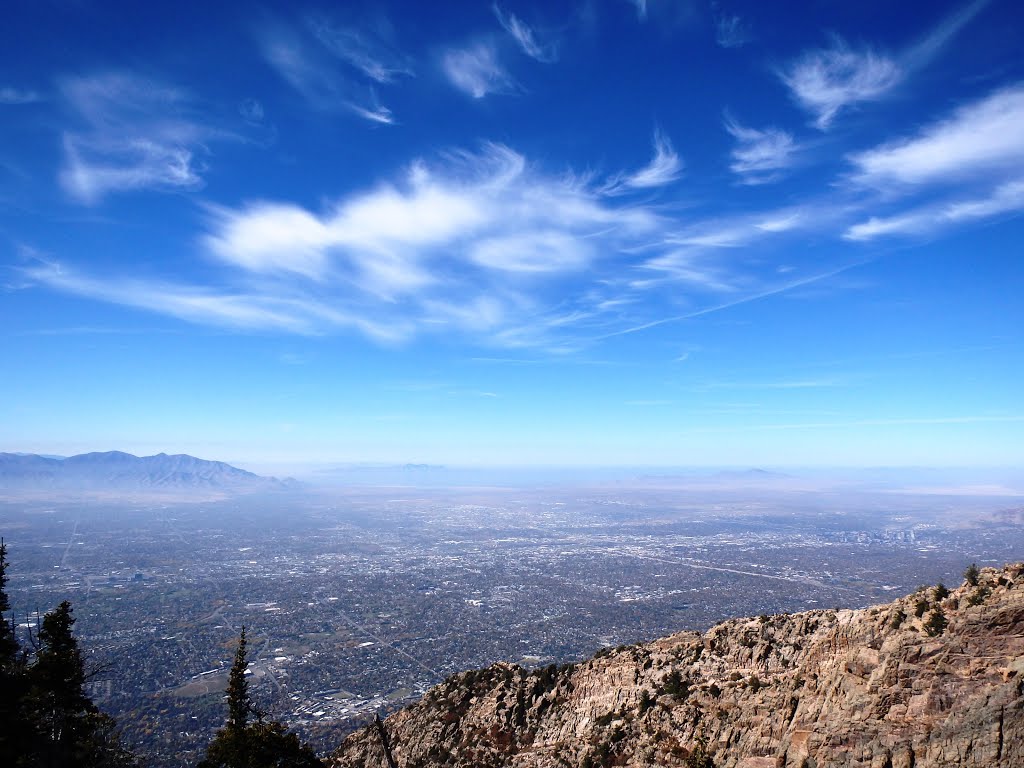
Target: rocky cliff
x=931, y=679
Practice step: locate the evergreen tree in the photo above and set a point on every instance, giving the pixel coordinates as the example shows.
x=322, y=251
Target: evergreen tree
x=263, y=744
x=46, y=718
x=972, y=574
x=58, y=681
x=8, y=641
x=12, y=678
x=936, y=623
x=239, y=704
x=68, y=730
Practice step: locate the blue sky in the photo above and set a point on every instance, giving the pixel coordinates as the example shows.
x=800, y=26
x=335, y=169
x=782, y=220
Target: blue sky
x=633, y=233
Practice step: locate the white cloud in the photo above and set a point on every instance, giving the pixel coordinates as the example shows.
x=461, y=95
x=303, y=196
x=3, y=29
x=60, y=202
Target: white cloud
x=316, y=82
x=136, y=134
x=476, y=70
x=665, y=167
x=828, y=80
x=742, y=230
x=376, y=114
x=487, y=208
x=1006, y=198
x=196, y=304
x=760, y=155
x=449, y=246
x=137, y=164
x=362, y=49
x=539, y=251
x=731, y=31
x=11, y=96
x=913, y=223
x=478, y=243
x=689, y=265
x=780, y=222
x=269, y=237
x=309, y=66
x=526, y=37
x=983, y=137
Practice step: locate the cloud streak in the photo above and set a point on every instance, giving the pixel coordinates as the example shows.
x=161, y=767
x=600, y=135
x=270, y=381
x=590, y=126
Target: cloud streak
x=1005, y=199
x=526, y=37
x=476, y=243
x=202, y=305
x=980, y=138
x=664, y=168
x=731, y=31
x=364, y=51
x=135, y=134
x=15, y=96
x=476, y=70
x=307, y=58
x=760, y=155
x=829, y=80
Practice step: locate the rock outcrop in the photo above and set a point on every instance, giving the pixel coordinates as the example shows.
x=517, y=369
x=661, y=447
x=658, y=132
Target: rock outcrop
x=931, y=679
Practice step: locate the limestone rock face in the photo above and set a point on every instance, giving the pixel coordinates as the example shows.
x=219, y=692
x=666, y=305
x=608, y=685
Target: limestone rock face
x=928, y=680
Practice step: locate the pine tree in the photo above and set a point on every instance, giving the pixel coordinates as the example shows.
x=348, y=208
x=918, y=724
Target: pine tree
x=13, y=728
x=972, y=574
x=69, y=731
x=263, y=744
x=8, y=641
x=239, y=704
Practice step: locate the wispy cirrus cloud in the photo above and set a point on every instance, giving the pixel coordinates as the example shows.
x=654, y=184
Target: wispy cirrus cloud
x=694, y=253
x=201, y=304
x=664, y=168
x=732, y=31
x=526, y=37
x=377, y=114
x=974, y=159
x=316, y=82
x=12, y=96
x=829, y=80
x=476, y=70
x=760, y=156
x=482, y=244
x=307, y=57
x=487, y=208
x=931, y=44
x=133, y=134
x=1006, y=198
x=367, y=50
x=982, y=137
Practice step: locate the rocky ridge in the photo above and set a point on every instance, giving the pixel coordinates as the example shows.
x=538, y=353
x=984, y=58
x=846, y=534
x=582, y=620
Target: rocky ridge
x=932, y=679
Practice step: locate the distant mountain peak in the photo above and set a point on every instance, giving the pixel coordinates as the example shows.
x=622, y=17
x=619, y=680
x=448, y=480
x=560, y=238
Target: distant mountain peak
x=118, y=471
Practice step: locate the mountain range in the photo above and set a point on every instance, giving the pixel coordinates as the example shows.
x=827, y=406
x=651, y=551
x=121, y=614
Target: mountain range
x=118, y=471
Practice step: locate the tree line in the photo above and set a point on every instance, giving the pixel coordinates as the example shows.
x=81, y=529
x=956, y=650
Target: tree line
x=47, y=719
